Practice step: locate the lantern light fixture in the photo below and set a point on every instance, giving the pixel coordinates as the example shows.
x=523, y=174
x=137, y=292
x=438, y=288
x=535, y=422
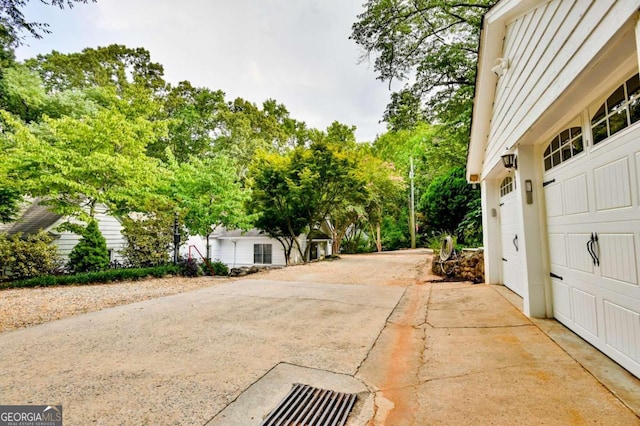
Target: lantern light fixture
x=509, y=160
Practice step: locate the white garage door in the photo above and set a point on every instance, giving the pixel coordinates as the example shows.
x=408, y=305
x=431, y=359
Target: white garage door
x=593, y=220
x=509, y=229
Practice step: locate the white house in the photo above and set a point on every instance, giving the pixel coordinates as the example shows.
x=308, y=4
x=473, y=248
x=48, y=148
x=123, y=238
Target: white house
x=35, y=216
x=558, y=90
x=236, y=248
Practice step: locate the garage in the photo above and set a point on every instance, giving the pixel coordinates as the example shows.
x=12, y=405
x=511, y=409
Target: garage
x=509, y=229
x=593, y=223
x=557, y=109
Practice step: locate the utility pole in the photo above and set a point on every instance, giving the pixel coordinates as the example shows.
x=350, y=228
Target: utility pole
x=412, y=207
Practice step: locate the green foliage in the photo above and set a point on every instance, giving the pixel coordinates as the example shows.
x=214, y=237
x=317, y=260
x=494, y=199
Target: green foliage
x=22, y=93
x=469, y=230
x=395, y=231
x=9, y=204
x=209, y=195
x=218, y=268
x=276, y=214
x=435, y=239
x=30, y=256
x=90, y=254
x=447, y=199
x=305, y=186
x=433, y=44
x=112, y=66
x=358, y=243
x=190, y=267
x=147, y=241
x=108, y=276
x=194, y=117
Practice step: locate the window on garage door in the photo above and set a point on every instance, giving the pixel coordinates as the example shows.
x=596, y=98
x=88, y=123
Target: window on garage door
x=621, y=109
x=563, y=147
x=506, y=186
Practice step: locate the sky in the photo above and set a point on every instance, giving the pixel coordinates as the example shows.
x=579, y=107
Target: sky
x=297, y=52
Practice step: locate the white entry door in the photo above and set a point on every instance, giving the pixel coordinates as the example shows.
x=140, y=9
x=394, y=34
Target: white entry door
x=593, y=224
x=509, y=230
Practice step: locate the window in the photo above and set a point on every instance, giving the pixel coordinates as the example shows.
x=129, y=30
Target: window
x=562, y=147
x=262, y=253
x=506, y=186
x=620, y=110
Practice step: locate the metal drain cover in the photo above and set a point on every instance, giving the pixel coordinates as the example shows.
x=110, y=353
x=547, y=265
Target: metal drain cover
x=308, y=406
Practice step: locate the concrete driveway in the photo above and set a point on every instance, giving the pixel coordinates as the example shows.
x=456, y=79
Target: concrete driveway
x=182, y=359
x=416, y=353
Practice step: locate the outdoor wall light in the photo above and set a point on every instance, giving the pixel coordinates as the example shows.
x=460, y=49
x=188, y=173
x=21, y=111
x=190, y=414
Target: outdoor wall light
x=509, y=160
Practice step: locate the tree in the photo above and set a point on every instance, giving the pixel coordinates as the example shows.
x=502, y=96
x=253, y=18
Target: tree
x=433, y=43
x=114, y=66
x=90, y=254
x=448, y=200
x=193, y=121
x=276, y=214
x=13, y=22
x=321, y=178
x=300, y=189
x=209, y=195
x=384, y=195
x=9, y=204
x=77, y=163
x=22, y=93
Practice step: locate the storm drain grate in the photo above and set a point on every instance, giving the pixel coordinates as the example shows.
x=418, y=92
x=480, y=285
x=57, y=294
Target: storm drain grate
x=308, y=406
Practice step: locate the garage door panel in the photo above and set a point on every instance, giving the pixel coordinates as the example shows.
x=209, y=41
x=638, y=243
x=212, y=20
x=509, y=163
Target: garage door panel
x=576, y=197
x=584, y=308
x=579, y=258
x=637, y=178
x=553, y=195
x=561, y=300
x=613, y=185
x=622, y=329
x=618, y=257
x=558, y=249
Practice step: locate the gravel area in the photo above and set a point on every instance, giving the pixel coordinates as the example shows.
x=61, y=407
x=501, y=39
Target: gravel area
x=25, y=307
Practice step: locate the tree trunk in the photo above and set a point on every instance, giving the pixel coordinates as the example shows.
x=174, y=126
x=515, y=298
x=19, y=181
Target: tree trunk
x=378, y=239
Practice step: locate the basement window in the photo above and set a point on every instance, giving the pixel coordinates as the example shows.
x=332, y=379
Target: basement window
x=563, y=147
x=620, y=110
x=506, y=186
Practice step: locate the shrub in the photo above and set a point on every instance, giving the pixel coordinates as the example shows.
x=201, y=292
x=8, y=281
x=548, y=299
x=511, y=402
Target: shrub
x=147, y=241
x=190, y=267
x=220, y=268
x=96, y=277
x=30, y=256
x=469, y=231
x=90, y=254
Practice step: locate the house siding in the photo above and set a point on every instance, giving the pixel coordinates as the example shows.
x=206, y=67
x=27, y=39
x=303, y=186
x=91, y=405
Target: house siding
x=547, y=48
x=244, y=251
x=109, y=226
